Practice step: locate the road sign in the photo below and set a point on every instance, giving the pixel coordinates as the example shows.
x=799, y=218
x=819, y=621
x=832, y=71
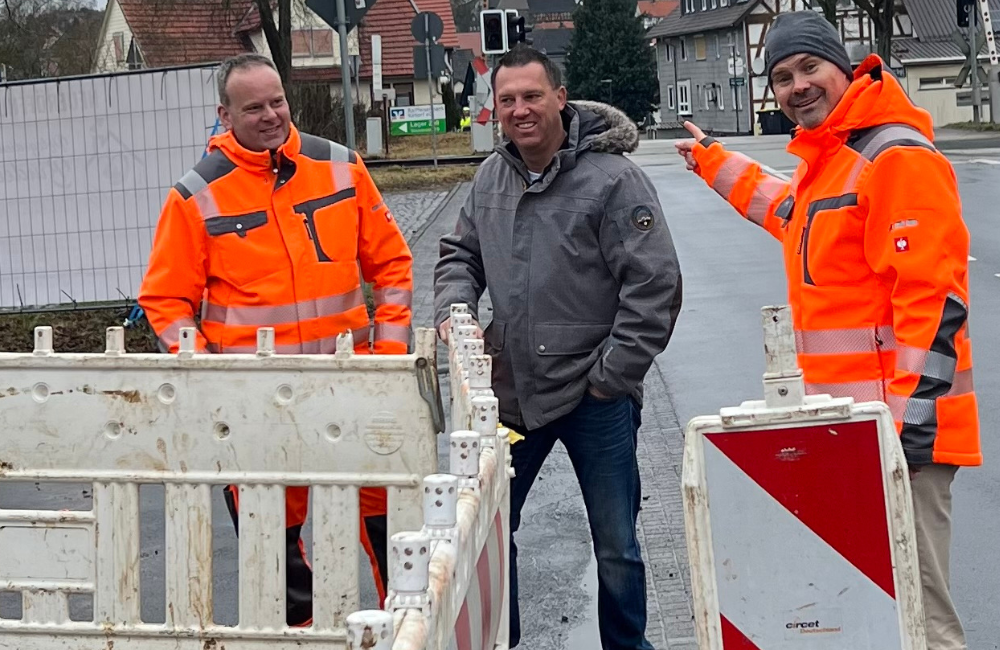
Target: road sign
x=737, y=81
x=420, y=61
x=484, y=91
x=789, y=504
x=435, y=26
x=327, y=10
x=415, y=120
x=738, y=63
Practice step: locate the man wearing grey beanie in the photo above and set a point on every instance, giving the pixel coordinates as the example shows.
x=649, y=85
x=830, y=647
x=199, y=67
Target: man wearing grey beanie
x=876, y=257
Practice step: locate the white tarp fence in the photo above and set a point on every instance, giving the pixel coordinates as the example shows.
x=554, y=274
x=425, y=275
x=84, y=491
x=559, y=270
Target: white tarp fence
x=85, y=165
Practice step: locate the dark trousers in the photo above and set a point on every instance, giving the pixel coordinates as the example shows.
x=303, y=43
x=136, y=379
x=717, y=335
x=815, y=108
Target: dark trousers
x=600, y=438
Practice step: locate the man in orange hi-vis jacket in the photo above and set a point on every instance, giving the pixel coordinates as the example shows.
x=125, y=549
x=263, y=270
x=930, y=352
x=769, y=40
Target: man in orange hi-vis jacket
x=876, y=255
x=269, y=230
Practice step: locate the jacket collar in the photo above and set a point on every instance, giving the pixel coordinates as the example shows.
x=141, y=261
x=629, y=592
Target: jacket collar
x=256, y=161
x=873, y=98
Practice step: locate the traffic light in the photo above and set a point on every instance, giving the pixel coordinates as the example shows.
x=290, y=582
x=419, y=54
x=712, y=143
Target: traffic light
x=964, y=9
x=517, y=31
x=493, y=31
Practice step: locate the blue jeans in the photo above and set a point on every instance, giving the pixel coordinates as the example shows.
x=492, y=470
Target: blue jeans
x=600, y=438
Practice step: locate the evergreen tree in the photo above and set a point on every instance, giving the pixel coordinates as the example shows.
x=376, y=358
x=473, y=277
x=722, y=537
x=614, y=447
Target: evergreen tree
x=609, y=43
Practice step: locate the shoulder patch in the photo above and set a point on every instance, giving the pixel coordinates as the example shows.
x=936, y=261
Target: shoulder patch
x=642, y=218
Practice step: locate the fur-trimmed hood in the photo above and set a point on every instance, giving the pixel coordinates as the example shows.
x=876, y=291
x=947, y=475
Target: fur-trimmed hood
x=605, y=128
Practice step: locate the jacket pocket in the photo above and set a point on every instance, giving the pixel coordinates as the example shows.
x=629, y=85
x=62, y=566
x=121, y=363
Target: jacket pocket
x=494, y=335
x=238, y=225
x=835, y=230
x=331, y=223
x=557, y=339
x=241, y=248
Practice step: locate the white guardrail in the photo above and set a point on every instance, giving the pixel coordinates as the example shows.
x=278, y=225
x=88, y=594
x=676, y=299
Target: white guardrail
x=264, y=422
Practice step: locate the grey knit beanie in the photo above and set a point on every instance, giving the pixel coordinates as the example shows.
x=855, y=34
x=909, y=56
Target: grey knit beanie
x=804, y=32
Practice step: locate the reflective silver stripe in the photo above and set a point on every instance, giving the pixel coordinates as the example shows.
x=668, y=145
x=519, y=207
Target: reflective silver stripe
x=271, y=315
x=393, y=296
x=925, y=363
x=171, y=334
x=766, y=192
x=729, y=173
x=862, y=391
x=390, y=332
x=910, y=410
x=844, y=341
x=343, y=179
x=325, y=345
x=852, y=178
x=962, y=384
x=882, y=137
x=202, y=194
x=339, y=153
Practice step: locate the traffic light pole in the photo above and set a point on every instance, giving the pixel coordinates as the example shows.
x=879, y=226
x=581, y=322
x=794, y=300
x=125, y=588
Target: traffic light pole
x=977, y=83
x=991, y=47
x=430, y=85
x=345, y=74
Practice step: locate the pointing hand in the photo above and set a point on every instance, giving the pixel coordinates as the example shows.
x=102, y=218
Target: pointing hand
x=685, y=147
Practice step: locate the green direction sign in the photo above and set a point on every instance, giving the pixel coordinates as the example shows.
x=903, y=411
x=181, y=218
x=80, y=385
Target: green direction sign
x=416, y=120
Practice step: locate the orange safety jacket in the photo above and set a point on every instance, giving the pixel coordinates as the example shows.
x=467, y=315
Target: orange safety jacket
x=876, y=254
x=264, y=239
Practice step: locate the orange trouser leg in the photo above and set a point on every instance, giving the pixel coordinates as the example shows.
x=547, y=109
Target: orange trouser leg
x=298, y=572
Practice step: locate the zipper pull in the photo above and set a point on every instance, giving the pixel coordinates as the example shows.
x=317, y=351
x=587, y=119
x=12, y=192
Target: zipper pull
x=305, y=222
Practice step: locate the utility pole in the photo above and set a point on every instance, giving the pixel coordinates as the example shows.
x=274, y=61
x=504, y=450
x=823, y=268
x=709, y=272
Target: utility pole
x=736, y=89
x=977, y=85
x=345, y=74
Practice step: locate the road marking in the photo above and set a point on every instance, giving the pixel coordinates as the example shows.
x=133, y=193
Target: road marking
x=997, y=274
x=774, y=172
x=972, y=259
x=984, y=161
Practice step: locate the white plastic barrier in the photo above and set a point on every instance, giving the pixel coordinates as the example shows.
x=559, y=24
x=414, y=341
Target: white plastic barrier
x=263, y=422
x=450, y=587
x=190, y=421
x=799, y=519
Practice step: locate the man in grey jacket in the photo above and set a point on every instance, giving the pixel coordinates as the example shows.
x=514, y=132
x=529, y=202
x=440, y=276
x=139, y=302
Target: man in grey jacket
x=569, y=238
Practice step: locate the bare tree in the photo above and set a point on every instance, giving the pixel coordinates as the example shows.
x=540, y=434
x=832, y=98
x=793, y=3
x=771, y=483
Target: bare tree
x=279, y=36
x=829, y=8
x=45, y=38
x=881, y=14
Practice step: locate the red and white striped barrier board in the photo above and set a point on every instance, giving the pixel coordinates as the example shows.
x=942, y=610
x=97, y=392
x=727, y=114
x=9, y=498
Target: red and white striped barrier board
x=799, y=520
x=479, y=619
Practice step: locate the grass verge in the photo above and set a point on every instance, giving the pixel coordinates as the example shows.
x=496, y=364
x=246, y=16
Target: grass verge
x=402, y=179
x=74, y=331
x=420, y=146
x=971, y=126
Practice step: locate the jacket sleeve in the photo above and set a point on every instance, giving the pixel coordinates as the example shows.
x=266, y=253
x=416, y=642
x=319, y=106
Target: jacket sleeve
x=386, y=261
x=175, y=276
x=459, y=276
x=918, y=244
x=755, y=194
x=639, y=252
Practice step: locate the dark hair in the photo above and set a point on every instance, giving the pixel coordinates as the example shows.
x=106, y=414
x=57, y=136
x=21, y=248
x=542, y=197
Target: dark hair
x=239, y=62
x=521, y=55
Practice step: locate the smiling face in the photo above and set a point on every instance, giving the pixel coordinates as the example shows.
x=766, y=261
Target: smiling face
x=808, y=88
x=529, y=109
x=257, y=112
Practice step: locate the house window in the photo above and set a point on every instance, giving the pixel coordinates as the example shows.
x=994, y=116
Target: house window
x=737, y=98
x=671, y=97
x=724, y=3
x=714, y=4
x=668, y=48
x=684, y=97
x=718, y=97
x=700, y=48
x=688, y=6
x=119, y=41
x=684, y=49
x=704, y=5
x=312, y=42
x=937, y=83
x=706, y=96
x=718, y=47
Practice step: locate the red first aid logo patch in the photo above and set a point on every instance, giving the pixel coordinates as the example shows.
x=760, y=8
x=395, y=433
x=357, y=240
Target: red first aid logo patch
x=902, y=244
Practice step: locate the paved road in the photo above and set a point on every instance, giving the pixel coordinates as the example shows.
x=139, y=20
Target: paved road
x=732, y=268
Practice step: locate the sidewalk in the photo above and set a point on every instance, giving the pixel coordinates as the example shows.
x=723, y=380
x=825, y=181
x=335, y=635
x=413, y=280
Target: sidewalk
x=557, y=571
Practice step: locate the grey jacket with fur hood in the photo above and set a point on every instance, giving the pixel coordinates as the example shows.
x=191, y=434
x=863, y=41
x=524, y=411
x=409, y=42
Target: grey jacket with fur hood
x=580, y=266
